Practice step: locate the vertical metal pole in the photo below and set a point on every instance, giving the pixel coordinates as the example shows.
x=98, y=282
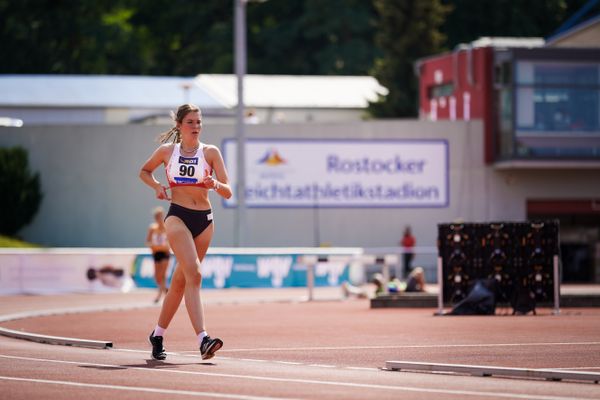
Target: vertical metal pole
x=401, y=264
x=440, y=279
x=186, y=92
x=240, y=71
x=556, y=285
x=316, y=223
x=310, y=261
x=310, y=280
x=385, y=271
x=21, y=268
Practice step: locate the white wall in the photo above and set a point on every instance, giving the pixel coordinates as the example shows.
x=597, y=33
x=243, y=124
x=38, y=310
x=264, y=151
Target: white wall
x=93, y=196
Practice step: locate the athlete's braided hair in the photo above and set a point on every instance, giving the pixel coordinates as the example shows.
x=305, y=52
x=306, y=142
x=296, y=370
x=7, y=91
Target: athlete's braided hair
x=173, y=134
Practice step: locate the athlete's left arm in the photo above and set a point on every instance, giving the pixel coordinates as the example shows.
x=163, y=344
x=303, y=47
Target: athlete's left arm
x=220, y=183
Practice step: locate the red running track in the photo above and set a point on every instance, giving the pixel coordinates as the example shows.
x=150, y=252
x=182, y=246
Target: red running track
x=292, y=349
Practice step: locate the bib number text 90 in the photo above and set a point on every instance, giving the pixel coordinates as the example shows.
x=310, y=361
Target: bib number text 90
x=187, y=170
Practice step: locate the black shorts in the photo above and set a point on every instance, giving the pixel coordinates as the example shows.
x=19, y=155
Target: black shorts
x=195, y=220
x=160, y=255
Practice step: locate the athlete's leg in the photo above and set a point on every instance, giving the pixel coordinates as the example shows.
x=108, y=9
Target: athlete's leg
x=160, y=268
x=208, y=346
x=201, y=242
x=176, y=232
x=172, y=299
x=188, y=264
x=164, y=264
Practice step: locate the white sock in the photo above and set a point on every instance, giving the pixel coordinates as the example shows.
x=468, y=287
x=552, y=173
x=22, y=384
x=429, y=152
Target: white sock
x=201, y=336
x=158, y=331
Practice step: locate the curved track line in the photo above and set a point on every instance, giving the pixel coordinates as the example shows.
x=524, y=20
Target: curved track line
x=60, y=340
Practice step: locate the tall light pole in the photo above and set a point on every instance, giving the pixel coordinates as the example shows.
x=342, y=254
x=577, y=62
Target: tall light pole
x=186, y=86
x=240, y=71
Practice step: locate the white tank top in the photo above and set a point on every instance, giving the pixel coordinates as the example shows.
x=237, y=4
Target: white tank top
x=187, y=171
x=158, y=238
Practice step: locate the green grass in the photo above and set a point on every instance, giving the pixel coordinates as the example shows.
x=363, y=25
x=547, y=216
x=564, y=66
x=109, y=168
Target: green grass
x=6, y=241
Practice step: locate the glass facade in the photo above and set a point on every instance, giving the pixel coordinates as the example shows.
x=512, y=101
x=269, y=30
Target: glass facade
x=554, y=112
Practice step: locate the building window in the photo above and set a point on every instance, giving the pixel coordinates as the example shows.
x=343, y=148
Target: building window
x=443, y=90
x=502, y=73
x=557, y=109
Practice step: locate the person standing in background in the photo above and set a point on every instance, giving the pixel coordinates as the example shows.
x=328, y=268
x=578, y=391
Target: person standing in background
x=407, y=243
x=156, y=239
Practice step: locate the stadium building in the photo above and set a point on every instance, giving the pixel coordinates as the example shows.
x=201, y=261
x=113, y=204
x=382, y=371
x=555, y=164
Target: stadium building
x=539, y=101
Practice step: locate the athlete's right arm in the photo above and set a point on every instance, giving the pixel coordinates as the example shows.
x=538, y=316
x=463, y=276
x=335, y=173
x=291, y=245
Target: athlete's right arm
x=146, y=173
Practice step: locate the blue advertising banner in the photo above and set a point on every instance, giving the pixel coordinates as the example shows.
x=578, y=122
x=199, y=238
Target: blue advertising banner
x=248, y=271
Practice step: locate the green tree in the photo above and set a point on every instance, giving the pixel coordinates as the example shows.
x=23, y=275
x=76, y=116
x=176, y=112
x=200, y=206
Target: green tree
x=21, y=195
x=472, y=19
x=302, y=37
x=311, y=37
x=134, y=37
x=407, y=30
x=66, y=36
x=183, y=37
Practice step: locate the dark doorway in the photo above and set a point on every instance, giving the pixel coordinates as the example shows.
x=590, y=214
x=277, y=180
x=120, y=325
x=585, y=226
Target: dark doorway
x=577, y=263
x=579, y=235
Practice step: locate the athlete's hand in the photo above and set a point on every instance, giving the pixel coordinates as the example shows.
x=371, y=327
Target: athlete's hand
x=161, y=193
x=209, y=182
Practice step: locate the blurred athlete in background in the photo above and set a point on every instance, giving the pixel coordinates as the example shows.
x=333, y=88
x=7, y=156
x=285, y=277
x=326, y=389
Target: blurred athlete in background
x=156, y=239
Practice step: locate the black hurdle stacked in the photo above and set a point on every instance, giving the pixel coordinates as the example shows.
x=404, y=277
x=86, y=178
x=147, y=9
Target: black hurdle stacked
x=519, y=256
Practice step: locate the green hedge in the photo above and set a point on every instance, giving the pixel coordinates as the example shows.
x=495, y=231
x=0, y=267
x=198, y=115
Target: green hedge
x=10, y=242
x=21, y=194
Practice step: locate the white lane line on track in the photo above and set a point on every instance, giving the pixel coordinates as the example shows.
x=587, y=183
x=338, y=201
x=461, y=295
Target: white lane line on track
x=136, y=350
x=312, y=381
x=195, y=355
x=416, y=346
x=362, y=368
x=140, y=389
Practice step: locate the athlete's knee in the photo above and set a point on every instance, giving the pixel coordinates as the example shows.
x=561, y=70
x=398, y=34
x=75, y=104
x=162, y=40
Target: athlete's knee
x=191, y=271
x=193, y=278
x=177, y=287
x=177, y=284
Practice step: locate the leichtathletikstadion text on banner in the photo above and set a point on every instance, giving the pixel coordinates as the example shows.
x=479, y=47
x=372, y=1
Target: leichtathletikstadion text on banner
x=341, y=173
